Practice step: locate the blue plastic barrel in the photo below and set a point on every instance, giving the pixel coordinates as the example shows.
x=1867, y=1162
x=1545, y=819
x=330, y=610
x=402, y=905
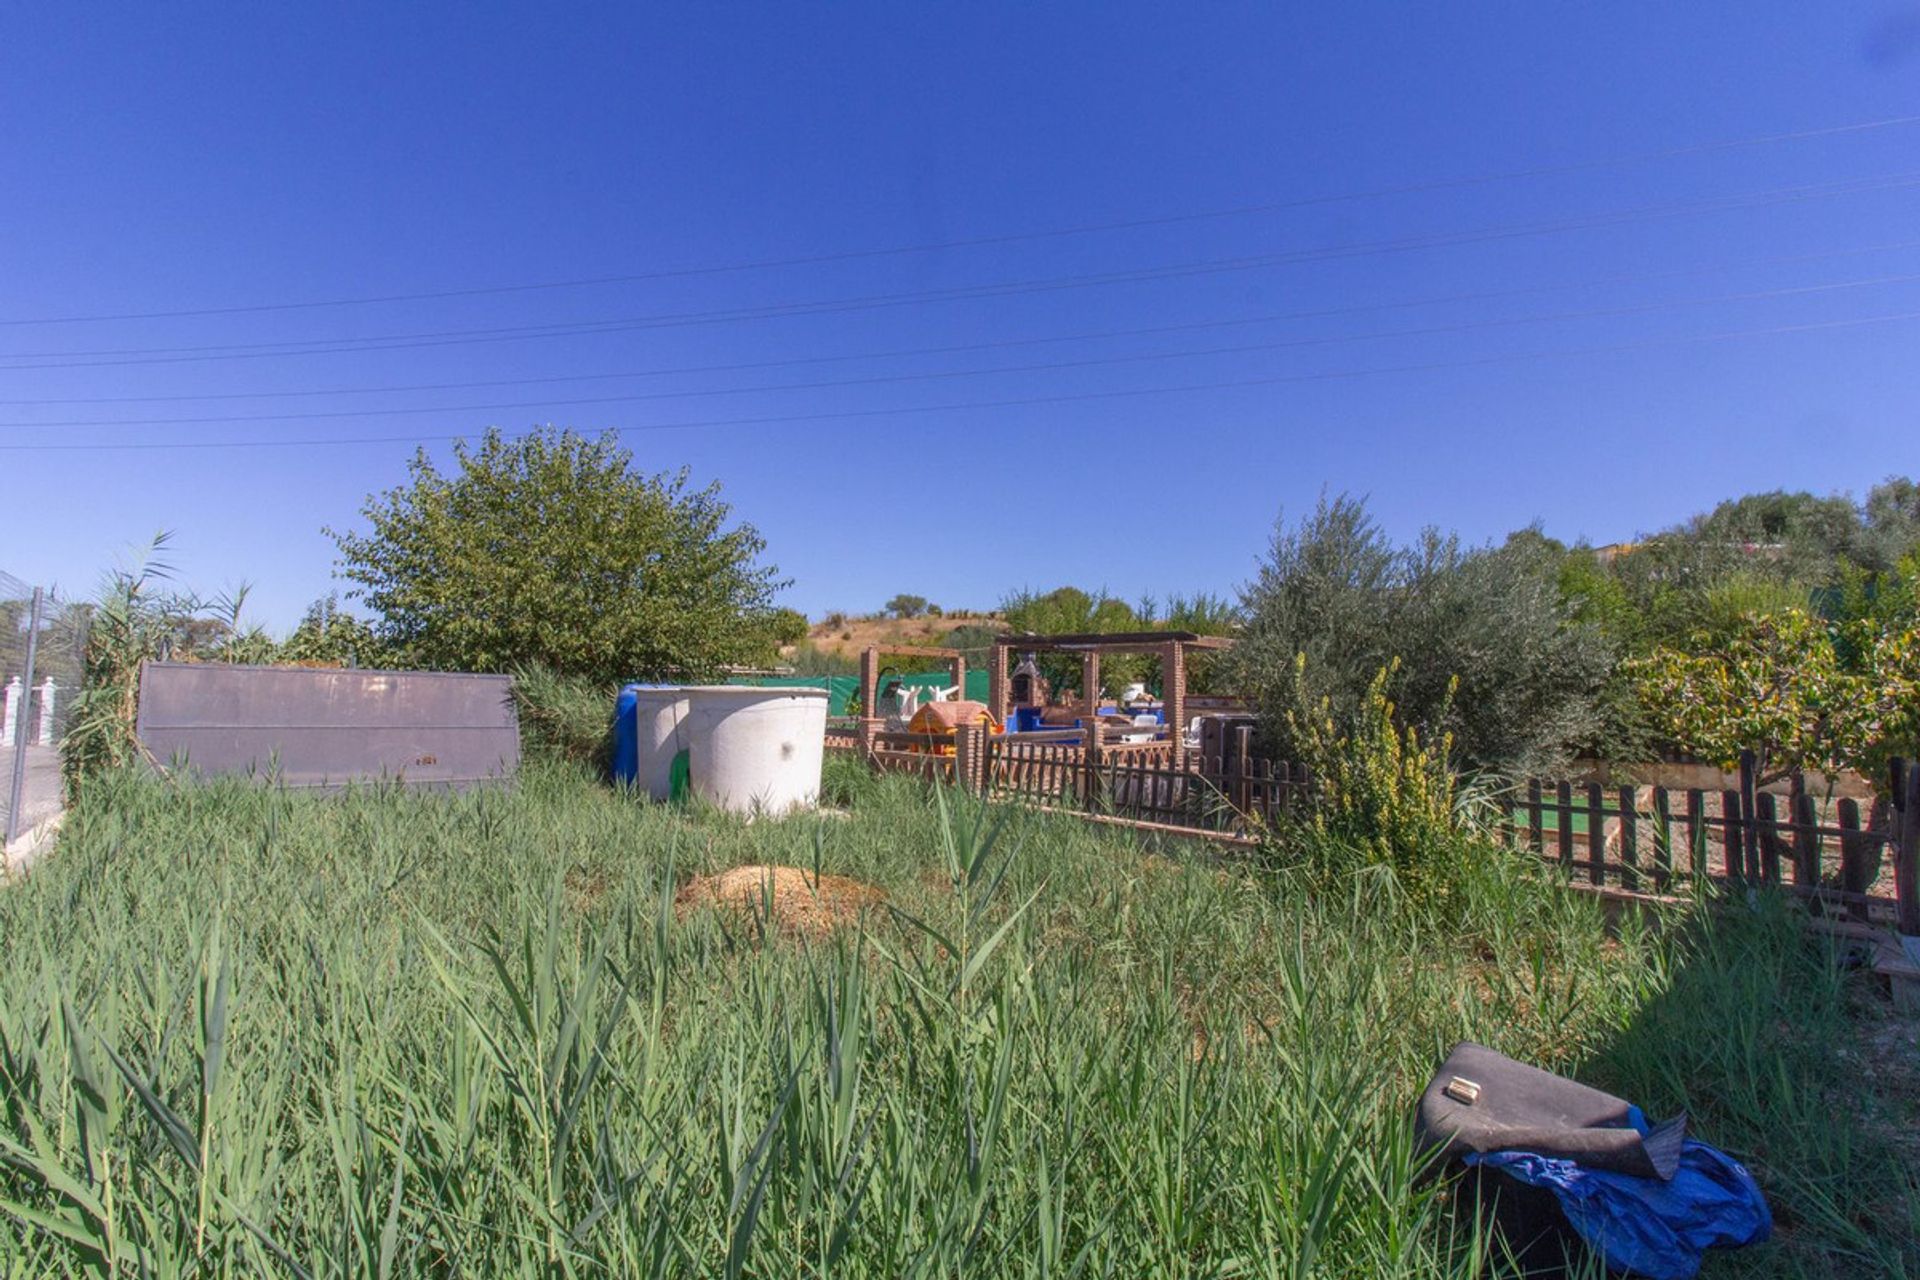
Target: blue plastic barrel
x=626, y=737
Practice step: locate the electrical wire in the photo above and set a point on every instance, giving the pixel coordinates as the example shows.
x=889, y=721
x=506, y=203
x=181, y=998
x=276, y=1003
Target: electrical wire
x=1001, y=343
x=937, y=375
x=461, y=337
x=1306, y=202
x=1020, y=402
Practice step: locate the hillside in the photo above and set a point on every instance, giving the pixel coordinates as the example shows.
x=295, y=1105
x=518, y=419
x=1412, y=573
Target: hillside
x=850, y=635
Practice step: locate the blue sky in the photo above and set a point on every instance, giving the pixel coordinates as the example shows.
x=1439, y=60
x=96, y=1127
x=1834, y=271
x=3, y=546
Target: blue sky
x=1641, y=324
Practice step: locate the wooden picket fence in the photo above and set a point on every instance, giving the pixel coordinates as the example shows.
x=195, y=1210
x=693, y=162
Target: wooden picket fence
x=1656, y=838
x=1151, y=784
x=1639, y=839
x=1151, y=787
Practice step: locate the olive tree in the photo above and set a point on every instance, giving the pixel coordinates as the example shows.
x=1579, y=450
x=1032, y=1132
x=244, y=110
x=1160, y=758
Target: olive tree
x=551, y=549
x=1479, y=641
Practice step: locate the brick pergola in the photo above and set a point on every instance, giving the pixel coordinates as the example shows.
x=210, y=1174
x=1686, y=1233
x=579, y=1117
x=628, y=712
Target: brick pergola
x=870, y=669
x=1171, y=647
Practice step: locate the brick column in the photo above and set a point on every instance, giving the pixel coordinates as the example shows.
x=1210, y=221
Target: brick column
x=869, y=682
x=959, y=666
x=1173, y=694
x=997, y=683
x=969, y=769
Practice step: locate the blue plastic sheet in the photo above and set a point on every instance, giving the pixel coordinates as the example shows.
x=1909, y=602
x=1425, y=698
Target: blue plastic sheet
x=1642, y=1225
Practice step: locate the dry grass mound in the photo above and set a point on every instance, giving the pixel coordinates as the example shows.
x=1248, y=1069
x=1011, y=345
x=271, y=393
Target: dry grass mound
x=796, y=903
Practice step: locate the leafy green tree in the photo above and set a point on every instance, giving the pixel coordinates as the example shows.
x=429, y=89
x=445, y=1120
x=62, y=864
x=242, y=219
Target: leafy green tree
x=1203, y=614
x=1071, y=611
x=1892, y=512
x=769, y=636
x=1068, y=610
x=1783, y=688
x=907, y=606
x=974, y=641
x=1804, y=536
x=787, y=626
x=329, y=636
x=551, y=548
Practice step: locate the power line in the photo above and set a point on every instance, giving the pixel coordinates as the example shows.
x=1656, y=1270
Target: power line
x=1441, y=184
x=1021, y=402
x=461, y=337
x=939, y=375
x=1042, y=340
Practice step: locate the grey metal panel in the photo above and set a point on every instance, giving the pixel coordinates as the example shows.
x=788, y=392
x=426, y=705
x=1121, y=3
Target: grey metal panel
x=323, y=727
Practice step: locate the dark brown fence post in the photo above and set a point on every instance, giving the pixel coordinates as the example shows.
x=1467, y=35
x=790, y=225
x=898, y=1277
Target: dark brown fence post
x=1536, y=836
x=1696, y=832
x=1733, y=844
x=1238, y=785
x=1749, y=817
x=1767, y=830
x=1629, y=839
x=1090, y=760
x=1806, y=841
x=1563, y=821
x=1662, y=837
x=1906, y=850
x=1596, y=833
x=1859, y=849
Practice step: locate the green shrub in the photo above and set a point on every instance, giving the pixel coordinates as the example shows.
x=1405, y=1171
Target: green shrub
x=1489, y=622
x=846, y=781
x=809, y=659
x=329, y=636
x=567, y=718
x=138, y=617
x=1385, y=798
x=1068, y=610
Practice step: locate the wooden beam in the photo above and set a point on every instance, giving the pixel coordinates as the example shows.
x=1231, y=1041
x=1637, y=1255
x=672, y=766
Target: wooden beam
x=914, y=651
x=1111, y=641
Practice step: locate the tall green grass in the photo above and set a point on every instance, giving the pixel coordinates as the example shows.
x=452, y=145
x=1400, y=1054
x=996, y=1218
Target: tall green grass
x=563, y=717
x=247, y=1032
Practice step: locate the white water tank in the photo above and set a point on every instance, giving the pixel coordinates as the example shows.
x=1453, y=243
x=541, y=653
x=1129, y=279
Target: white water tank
x=753, y=750
x=659, y=715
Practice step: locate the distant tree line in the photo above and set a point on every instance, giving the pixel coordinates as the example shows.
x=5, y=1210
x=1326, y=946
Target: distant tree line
x=1783, y=622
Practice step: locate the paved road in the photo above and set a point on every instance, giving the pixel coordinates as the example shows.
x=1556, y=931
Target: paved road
x=40, y=799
